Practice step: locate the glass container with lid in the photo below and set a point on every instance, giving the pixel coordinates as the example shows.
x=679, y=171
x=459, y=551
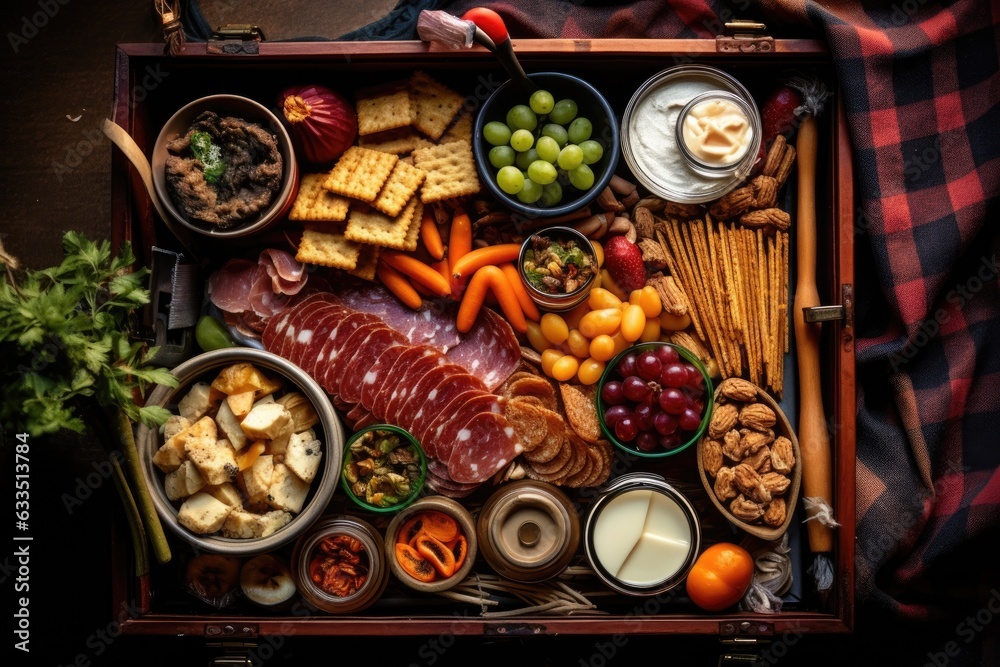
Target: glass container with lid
x=528, y=531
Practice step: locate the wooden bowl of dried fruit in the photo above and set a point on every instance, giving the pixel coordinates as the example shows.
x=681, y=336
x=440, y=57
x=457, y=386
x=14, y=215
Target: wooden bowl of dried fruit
x=749, y=460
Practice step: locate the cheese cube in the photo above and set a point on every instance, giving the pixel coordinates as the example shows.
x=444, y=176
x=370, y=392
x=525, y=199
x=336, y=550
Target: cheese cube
x=197, y=402
x=202, y=514
x=287, y=491
x=229, y=423
x=267, y=421
x=303, y=455
x=240, y=404
x=243, y=524
x=227, y=493
x=214, y=458
x=174, y=425
x=168, y=457
x=183, y=482
x=257, y=478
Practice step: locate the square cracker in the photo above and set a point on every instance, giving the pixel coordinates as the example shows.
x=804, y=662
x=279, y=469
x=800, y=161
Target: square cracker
x=398, y=189
x=360, y=173
x=385, y=109
x=451, y=171
x=399, y=141
x=309, y=187
x=434, y=104
x=367, y=262
x=329, y=208
x=327, y=248
x=413, y=233
x=375, y=228
x=460, y=128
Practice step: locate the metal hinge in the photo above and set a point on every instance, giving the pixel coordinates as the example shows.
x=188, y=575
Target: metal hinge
x=234, y=653
x=744, y=36
x=839, y=313
x=236, y=39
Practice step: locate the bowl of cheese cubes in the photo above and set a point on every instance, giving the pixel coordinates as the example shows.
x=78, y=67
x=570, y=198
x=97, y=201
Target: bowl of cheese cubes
x=249, y=457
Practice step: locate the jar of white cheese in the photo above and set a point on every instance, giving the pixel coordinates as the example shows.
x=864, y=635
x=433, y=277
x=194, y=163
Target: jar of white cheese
x=691, y=134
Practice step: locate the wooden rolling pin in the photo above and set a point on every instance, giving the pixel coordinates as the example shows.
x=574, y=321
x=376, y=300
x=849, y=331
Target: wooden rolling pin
x=814, y=438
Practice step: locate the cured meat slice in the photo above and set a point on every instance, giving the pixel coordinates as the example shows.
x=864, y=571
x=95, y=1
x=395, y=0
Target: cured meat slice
x=301, y=319
x=312, y=326
x=482, y=446
x=433, y=324
x=287, y=274
x=364, y=359
x=378, y=373
x=447, y=396
x=407, y=382
x=276, y=325
x=229, y=286
x=427, y=388
x=490, y=350
x=333, y=346
x=335, y=364
x=438, y=479
x=442, y=435
x=405, y=360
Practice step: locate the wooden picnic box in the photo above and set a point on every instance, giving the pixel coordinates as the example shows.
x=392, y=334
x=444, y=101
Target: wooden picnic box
x=150, y=86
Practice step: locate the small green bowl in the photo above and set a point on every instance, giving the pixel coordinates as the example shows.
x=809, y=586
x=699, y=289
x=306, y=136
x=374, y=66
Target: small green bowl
x=417, y=485
x=610, y=373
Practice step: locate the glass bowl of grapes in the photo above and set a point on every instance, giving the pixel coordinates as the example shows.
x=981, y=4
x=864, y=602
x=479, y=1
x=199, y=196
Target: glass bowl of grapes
x=654, y=400
x=549, y=151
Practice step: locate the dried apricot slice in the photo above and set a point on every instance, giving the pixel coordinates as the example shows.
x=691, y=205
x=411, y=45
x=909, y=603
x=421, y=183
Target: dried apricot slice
x=414, y=564
x=440, y=526
x=439, y=555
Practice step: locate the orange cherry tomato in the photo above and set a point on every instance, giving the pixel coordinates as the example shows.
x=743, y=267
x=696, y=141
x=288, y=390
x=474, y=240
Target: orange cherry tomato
x=720, y=576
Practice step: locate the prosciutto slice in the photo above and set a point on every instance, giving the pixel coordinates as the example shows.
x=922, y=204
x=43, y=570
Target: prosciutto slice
x=229, y=287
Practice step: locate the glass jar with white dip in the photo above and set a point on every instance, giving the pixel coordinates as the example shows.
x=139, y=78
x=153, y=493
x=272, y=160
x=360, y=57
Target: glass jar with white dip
x=691, y=134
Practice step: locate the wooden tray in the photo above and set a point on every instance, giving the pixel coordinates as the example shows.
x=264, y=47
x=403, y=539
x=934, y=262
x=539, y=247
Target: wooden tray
x=150, y=86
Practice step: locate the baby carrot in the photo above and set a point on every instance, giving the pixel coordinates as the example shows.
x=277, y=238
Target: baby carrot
x=460, y=239
x=527, y=305
x=397, y=283
x=417, y=270
x=470, y=262
x=430, y=235
x=489, y=278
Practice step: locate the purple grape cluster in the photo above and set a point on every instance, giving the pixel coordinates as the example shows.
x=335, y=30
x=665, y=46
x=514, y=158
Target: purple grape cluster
x=654, y=399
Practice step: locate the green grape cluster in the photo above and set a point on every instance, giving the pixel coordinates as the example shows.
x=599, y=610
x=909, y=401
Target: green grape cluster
x=541, y=146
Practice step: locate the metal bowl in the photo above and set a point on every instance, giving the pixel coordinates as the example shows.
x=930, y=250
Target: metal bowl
x=248, y=110
x=329, y=431
x=558, y=302
x=591, y=104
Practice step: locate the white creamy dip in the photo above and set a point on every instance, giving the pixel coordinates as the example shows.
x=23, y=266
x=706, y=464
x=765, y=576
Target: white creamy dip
x=716, y=131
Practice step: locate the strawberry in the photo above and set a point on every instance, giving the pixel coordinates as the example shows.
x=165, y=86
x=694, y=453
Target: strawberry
x=623, y=260
x=778, y=113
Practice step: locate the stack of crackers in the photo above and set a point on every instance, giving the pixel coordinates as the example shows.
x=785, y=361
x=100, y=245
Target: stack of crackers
x=414, y=149
x=559, y=431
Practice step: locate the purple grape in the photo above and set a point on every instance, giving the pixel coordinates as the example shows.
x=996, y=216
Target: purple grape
x=671, y=441
x=643, y=416
x=689, y=420
x=674, y=375
x=626, y=430
x=667, y=355
x=615, y=414
x=647, y=366
x=635, y=388
x=612, y=394
x=673, y=401
x=626, y=366
x=695, y=379
x=646, y=442
x=664, y=423
x=695, y=399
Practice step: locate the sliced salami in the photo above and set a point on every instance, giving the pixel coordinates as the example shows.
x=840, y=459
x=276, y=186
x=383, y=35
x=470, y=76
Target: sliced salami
x=407, y=382
x=312, y=330
x=482, y=446
x=378, y=373
x=427, y=388
x=490, y=350
x=405, y=360
x=448, y=488
x=440, y=436
x=333, y=376
x=448, y=397
x=364, y=358
x=433, y=324
x=276, y=325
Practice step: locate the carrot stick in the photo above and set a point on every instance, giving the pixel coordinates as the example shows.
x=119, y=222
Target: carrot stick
x=430, y=235
x=397, y=283
x=527, y=305
x=472, y=261
x=489, y=278
x=416, y=270
x=460, y=239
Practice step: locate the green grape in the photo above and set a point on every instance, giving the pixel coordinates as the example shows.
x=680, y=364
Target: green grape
x=570, y=157
x=531, y=192
x=510, y=179
x=581, y=177
x=557, y=132
x=524, y=160
x=551, y=194
x=563, y=112
x=522, y=140
x=548, y=149
x=541, y=102
x=580, y=129
x=501, y=156
x=496, y=133
x=592, y=151
x=521, y=117
x=542, y=172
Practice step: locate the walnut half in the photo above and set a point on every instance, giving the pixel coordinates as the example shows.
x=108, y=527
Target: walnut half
x=745, y=509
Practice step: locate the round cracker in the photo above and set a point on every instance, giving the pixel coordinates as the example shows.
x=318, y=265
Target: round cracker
x=551, y=446
x=535, y=385
x=586, y=471
x=558, y=463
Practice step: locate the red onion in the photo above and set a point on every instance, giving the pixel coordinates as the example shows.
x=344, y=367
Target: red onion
x=322, y=122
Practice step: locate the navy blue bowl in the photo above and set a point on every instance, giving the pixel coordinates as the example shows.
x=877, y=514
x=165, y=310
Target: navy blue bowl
x=591, y=104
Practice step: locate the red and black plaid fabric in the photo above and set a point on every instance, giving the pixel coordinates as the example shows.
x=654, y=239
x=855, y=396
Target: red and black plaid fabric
x=921, y=85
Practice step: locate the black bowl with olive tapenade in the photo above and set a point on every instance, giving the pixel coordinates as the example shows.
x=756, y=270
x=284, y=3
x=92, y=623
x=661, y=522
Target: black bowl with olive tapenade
x=224, y=166
x=557, y=266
